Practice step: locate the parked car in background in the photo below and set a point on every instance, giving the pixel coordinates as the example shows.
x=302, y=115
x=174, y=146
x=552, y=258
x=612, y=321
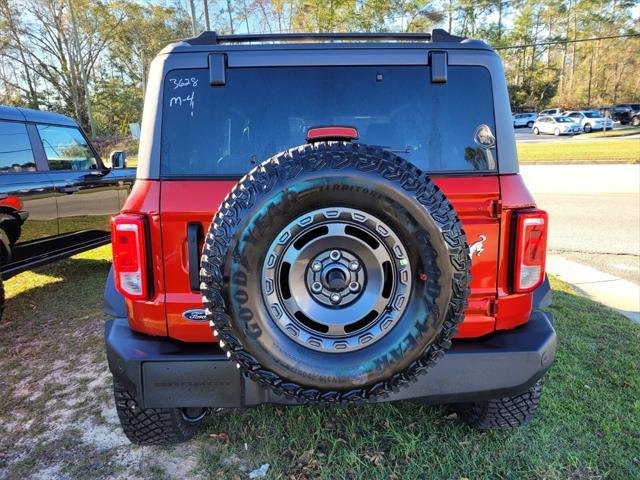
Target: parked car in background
x=590, y=120
x=623, y=113
x=635, y=114
x=56, y=195
x=556, y=125
x=550, y=111
x=524, y=119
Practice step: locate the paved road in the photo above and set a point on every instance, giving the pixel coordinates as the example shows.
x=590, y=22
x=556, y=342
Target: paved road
x=602, y=231
x=525, y=135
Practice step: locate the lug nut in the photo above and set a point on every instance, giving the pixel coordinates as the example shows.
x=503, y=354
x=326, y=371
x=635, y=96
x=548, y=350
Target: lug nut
x=335, y=298
x=354, y=265
x=335, y=255
x=354, y=287
x=316, y=287
x=316, y=266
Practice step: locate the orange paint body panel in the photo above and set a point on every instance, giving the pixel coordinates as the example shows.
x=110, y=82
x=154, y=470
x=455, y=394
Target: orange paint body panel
x=149, y=316
x=513, y=309
x=483, y=203
x=476, y=200
x=185, y=202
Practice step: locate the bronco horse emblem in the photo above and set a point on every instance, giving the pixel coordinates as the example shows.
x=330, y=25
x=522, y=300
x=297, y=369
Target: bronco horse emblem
x=477, y=247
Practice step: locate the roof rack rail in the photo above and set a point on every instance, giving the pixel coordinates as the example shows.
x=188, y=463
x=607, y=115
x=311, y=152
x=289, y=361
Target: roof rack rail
x=212, y=38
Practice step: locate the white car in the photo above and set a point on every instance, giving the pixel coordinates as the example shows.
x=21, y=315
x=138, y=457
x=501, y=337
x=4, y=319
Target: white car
x=590, y=120
x=551, y=111
x=558, y=125
x=524, y=119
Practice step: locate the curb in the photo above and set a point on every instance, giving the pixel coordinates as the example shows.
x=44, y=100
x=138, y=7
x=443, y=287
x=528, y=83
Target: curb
x=612, y=291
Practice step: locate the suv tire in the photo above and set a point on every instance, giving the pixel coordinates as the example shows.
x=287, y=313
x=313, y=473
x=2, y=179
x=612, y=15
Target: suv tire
x=154, y=426
x=536, y=131
x=5, y=254
x=503, y=413
x=302, y=203
x=587, y=128
x=635, y=121
x=529, y=124
x=1, y=297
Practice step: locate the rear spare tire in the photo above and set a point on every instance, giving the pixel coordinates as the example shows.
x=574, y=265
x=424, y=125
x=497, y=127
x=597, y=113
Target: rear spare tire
x=335, y=272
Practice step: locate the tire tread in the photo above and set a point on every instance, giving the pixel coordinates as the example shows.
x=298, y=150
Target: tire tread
x=308, y=158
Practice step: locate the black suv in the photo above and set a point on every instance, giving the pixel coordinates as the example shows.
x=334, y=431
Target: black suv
x=624, y=113
x=56, y=195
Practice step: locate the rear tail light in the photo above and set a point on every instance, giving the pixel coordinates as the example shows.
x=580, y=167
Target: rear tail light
x=128, y=240
x=530, y=249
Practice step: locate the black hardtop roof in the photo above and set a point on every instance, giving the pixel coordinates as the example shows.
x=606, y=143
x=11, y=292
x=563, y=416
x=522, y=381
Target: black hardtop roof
x=20, y=114
x=437, y=39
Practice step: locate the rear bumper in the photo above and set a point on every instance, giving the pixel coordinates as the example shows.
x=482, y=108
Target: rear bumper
x=165, y=373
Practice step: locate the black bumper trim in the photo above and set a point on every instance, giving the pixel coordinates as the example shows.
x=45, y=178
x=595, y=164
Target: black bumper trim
x=164, y=373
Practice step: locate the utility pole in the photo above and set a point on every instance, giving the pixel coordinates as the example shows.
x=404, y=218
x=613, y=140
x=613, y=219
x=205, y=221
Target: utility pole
x=194, y=27
x=206, y=14
x=83, y=74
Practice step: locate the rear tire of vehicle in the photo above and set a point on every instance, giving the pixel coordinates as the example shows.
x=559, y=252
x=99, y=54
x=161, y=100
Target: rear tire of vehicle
x=587, y=127
x=503, y=413
x=529, y=124
x=154, y=426
x=536, y=131
x=5, y=254
x=635, y=121
x=556, y=132
x=1, y=297
x=11, y=228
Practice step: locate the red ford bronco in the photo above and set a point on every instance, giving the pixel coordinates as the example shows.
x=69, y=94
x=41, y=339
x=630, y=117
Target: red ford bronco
x=326, y=218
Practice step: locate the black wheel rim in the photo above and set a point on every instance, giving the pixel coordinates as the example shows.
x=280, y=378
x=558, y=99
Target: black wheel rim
x=336, y=279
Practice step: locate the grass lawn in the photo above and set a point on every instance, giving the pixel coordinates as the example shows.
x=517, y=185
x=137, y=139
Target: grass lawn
x=617, y=150
x=57, y=417
x=618, y=132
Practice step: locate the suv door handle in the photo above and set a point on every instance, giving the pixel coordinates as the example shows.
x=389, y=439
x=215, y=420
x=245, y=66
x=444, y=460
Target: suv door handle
x=194, y=235
x=69, y=190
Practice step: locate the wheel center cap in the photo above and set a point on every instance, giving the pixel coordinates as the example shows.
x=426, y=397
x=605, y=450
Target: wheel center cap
x=336, y=279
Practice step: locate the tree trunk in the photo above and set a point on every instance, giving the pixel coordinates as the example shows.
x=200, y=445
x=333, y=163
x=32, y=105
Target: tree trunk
x=500, y=20
x=246, y=15
x=230, y=13
x=32, y=97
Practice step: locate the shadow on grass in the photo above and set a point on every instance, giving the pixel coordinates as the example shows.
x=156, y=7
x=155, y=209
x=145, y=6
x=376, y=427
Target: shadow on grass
x=54, y=294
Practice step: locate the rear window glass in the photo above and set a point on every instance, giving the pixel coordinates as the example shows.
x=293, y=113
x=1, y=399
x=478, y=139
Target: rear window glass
x=226, y=130
x=15, y=148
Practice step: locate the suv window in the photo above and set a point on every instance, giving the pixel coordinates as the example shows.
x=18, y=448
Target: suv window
x=261, y=111
x=66, y=148
x=15, y=148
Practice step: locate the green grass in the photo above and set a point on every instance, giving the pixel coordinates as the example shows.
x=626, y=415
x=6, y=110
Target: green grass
x=588, y=426
x=618, y=132
x=617, y=150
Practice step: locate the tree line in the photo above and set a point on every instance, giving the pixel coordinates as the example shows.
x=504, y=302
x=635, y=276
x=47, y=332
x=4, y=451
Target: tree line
x=90, y=59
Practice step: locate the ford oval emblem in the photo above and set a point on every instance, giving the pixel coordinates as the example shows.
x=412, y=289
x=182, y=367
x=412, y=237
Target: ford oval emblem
x=195, y=315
